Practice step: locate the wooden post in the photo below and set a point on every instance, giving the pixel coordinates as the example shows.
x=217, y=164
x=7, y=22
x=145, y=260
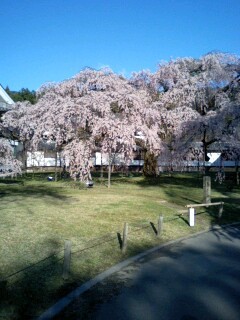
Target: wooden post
x=220, y=211
x=207, y=189
x=67, y=259
x=124, y=240
x=160, y=226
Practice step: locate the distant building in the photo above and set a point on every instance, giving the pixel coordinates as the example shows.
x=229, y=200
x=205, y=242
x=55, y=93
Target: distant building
x=5, y=101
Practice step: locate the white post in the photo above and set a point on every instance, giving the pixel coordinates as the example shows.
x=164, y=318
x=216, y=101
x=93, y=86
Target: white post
x=191, y=212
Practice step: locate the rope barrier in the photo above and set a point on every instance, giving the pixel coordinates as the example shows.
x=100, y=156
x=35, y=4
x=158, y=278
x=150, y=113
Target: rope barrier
x=31, y=266
x=135, y=229
x=95, y=245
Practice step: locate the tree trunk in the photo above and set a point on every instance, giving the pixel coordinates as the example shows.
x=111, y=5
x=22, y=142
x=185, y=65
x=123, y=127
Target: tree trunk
x=33, y=173
x=150, y=165
x=237, y=173
x=206, y=189
x=204, y=156
x=109, y=170
x=204, y=152
x=24, y=157
x=101, y=174
x=56, y=172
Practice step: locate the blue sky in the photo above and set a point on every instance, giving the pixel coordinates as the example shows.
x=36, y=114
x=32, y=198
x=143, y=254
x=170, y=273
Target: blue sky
x=51, y=40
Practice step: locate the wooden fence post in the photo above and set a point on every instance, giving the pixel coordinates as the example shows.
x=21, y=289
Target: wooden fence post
x=67, y=259
x=160, y=225
x=125, y=234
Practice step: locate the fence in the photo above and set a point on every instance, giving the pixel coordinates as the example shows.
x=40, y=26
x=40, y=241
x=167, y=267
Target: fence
x=58, y=265
x=68, y=250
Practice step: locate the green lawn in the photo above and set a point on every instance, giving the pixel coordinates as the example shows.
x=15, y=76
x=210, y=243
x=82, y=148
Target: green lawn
x=37, y=217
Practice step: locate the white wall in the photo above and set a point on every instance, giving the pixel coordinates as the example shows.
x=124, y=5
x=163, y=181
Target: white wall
x=39, y=159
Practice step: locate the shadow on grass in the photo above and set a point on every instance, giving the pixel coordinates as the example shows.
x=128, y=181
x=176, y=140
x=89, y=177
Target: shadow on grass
x=192, y=182
x=119, y=237
x=153, y=227
x=33, y=191
x=189, y=180
x=26, y=292
x=184, y=219
x=29, y=293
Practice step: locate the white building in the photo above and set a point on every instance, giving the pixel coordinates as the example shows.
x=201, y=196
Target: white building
x=5, y=101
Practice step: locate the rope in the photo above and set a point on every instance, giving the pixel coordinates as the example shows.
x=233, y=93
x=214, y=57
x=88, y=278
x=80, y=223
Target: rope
x=31, y=266
x=95, y=245
x=136, y=229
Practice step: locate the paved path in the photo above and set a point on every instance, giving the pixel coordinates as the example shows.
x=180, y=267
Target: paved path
x=195, y=279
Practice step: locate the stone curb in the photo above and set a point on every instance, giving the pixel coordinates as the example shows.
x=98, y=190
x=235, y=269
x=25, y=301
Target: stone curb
x=64, y=302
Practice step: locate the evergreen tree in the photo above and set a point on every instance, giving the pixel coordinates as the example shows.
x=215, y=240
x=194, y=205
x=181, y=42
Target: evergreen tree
x=22, y=95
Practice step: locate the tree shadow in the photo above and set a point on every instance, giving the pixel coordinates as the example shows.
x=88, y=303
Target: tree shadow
x=25, y=292
x=187, y=179
x=33, y=191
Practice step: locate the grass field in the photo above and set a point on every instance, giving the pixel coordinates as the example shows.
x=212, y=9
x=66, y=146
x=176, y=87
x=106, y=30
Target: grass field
x=38, y=216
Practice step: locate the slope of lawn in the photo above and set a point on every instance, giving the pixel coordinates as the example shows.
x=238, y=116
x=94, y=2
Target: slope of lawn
x=37, y=216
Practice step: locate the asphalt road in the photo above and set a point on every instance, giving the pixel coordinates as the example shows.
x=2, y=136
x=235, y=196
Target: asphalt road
x=195, y=279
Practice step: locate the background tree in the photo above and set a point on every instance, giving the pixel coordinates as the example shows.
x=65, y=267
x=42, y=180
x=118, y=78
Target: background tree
x=22, y=95
x=197, y=84
x=187, y=100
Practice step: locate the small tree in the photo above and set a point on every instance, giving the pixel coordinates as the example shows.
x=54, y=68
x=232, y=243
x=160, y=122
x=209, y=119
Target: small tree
x=9, y=166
